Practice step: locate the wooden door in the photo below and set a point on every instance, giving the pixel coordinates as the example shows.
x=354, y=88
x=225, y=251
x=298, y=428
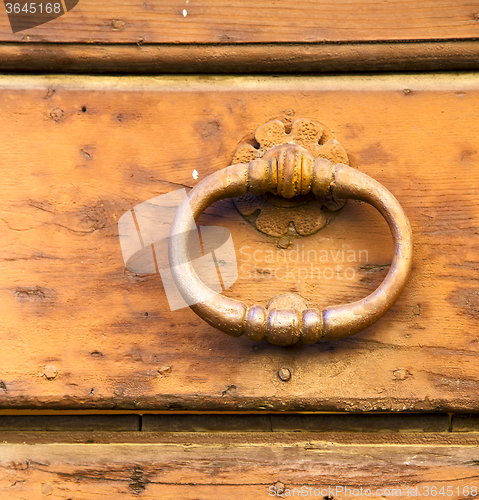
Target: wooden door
x=105, y=391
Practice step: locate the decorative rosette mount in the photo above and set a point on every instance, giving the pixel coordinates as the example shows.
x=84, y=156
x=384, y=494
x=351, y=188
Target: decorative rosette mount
x=280, y=214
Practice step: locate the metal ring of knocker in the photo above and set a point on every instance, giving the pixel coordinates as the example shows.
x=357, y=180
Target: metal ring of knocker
x=290, y=170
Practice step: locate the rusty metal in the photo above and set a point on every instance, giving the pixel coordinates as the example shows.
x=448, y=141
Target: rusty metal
x=284, y=374
x=278, y=214
x=290, y=170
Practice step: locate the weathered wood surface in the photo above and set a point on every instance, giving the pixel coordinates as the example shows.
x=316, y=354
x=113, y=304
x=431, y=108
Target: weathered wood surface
x=221, y=21
x=391, y=423
x=78, y=331
x=96, y=423
x=240, y=465
x=465, y=423
x=239, y=58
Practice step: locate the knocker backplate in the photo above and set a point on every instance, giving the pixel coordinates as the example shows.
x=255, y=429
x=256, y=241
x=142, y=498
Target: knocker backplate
x=301, y=215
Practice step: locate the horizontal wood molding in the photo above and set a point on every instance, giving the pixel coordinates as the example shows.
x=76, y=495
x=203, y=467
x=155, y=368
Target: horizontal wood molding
x=239, y=58
x=465, y=423
x=77, y=423
x=296, y=423
x=404, y=423
x=234, y=466
x=212, y=36
x=254, y=21
x=151, y=423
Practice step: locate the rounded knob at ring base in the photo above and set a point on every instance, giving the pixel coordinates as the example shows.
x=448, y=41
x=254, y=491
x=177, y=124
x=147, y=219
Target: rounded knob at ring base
x=286, y=320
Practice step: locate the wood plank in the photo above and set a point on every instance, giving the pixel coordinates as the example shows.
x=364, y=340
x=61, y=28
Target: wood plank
x=204, y=437
x=403, y=423
x=465, y=422
x=206, y=423
x=221, y=21
x=235, y=466
x=239, y=58
x=62, y=423
x=390, y=423
x=80, y=332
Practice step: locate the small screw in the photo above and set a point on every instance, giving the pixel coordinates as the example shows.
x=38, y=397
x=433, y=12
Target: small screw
x=284, y=374
x=278, y=488
x=284, y=242
x=164, y=370
x=50, y=372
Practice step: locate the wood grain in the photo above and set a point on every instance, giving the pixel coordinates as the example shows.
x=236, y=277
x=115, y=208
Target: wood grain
x=465, y=423
x=238, y=58
x=235, y=466
x=78, y=331
x=386, y=422
x=78, y=423
x=221, y=21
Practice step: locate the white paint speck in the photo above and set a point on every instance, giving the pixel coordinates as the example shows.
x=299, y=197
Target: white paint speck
x=195, y=174
x=185, y=13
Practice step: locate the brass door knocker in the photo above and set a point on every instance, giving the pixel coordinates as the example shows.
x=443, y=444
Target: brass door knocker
x=289, y=170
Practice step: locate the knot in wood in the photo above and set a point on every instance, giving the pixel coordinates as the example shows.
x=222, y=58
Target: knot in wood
x=284, y=170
